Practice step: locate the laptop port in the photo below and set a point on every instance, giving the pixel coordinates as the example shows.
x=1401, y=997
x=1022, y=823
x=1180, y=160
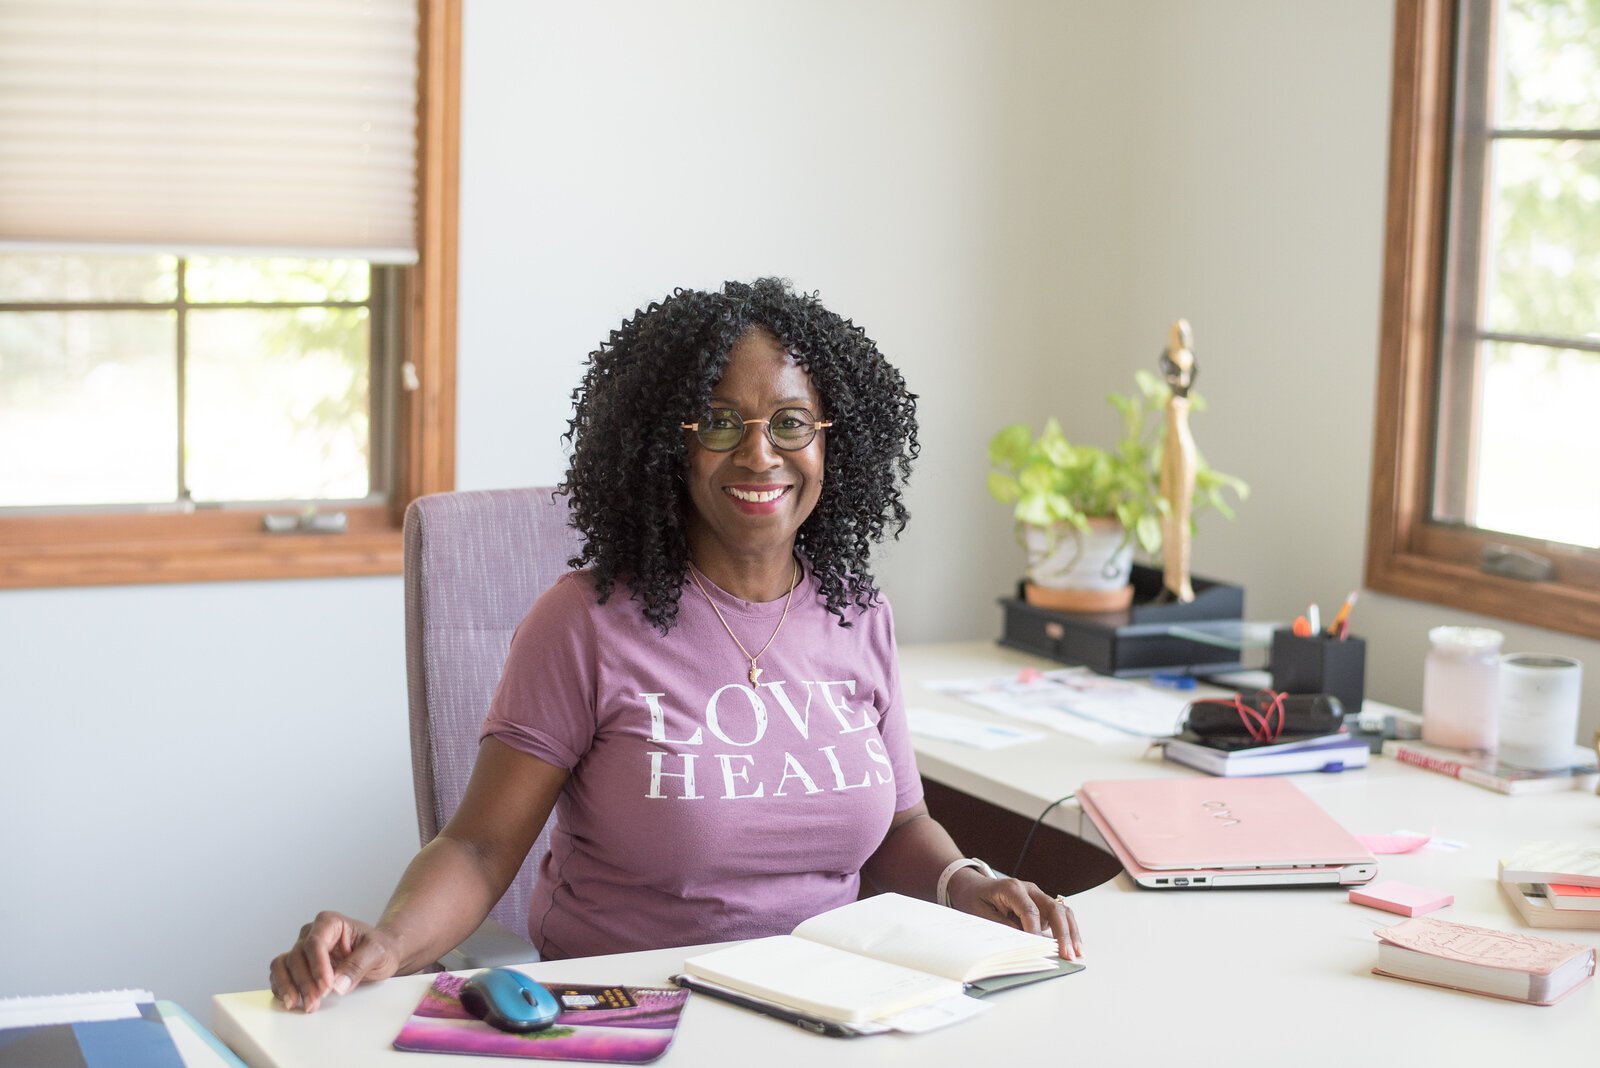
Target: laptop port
x=1180, y=881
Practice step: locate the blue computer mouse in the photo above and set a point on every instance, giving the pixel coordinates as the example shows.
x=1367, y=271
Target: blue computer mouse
x=509, y=1000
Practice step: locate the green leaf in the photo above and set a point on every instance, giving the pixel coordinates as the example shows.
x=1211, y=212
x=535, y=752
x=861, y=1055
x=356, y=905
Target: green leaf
x=1058, y=451
x=1003, y=488
x=1037, y=476
x=1009, y=446
x=1149, y=533
x=1035, y=510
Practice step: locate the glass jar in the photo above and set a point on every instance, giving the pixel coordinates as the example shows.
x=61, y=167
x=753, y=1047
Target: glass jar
x=1460, y=688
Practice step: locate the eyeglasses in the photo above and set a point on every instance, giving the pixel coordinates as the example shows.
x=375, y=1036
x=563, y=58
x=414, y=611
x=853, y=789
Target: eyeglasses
x=789, y=429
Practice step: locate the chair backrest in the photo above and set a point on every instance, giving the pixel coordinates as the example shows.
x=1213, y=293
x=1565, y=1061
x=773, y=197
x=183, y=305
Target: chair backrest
x=475, y=561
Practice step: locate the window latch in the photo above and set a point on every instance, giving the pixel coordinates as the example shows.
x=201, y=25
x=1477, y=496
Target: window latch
x=308, y=522
x=1510, y=562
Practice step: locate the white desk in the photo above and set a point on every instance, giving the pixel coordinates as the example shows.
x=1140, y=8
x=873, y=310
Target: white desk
x=1187, y=977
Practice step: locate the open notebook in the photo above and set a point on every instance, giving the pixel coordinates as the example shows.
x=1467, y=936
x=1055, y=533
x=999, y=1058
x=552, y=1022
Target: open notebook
x=874, y=958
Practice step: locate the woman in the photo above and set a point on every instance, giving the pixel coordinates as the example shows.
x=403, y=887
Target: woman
x=712, y=706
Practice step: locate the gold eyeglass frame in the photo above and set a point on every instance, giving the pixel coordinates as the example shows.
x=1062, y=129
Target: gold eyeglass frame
x=816, y=425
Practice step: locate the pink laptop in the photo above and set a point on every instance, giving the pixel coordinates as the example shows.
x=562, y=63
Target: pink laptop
x=1174, y=834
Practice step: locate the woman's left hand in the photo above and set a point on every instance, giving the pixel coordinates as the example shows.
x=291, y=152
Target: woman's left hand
x=1017, y=904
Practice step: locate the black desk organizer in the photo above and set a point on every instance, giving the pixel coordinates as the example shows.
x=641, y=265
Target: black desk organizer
x=1134, y=641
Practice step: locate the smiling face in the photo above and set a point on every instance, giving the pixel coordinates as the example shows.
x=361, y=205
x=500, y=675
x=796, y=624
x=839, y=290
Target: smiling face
x=748, y=503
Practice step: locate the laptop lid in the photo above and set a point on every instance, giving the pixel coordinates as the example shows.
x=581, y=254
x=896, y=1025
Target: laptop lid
x=1223, y=832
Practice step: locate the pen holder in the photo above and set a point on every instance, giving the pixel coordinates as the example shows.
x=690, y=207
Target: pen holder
x=1320, y=664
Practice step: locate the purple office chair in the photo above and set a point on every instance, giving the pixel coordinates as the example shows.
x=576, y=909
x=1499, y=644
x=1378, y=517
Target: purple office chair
x=475, y=561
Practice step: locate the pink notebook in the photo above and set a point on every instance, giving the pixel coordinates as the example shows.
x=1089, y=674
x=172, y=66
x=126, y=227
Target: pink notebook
x=1501, y=964
x=1205, y=833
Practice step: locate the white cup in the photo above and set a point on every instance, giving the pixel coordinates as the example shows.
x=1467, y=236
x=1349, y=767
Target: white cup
x=1539, y=709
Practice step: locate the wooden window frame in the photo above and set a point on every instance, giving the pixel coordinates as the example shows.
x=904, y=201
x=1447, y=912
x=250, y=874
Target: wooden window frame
x=1408, y=553
x=230, y=544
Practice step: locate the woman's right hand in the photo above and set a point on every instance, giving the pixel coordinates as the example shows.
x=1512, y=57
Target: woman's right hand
x=333, y=954
x=445, y=892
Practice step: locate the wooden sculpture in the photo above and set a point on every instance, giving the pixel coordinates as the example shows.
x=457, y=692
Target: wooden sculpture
x=1178, y=463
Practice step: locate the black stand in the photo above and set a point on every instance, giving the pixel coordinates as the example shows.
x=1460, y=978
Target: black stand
x=1136, y=641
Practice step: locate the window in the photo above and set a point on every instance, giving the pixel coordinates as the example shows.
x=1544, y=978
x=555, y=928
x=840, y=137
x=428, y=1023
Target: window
x=1489, y=369
x=173, y=411
x=173, y=384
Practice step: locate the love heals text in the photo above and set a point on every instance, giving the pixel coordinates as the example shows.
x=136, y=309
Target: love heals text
x=774, y=739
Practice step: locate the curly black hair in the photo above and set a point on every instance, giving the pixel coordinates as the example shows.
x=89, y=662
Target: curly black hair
x=658, y=370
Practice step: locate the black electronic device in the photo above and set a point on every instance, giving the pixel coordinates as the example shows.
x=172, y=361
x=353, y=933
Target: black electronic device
x=1264, y=717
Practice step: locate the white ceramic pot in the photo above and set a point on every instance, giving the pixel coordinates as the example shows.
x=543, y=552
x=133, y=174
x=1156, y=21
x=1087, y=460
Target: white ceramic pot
x=1539, y=697
x=1064, y=557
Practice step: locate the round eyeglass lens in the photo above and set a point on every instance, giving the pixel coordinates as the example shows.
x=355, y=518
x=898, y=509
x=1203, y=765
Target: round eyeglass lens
x=721, y=430
x=792, y=428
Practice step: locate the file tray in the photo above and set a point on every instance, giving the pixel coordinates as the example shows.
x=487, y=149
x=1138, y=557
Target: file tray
x=1136, y=641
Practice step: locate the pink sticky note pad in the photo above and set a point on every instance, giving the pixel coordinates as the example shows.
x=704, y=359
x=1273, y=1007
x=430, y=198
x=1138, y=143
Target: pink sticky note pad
x=1403, y=898
x=1394, y=843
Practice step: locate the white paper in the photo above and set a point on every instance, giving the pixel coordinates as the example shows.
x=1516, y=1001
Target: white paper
x=978, y=734
x=939, y=1014
x=1436, y=843
x=72, y=1008
x=1079, y=702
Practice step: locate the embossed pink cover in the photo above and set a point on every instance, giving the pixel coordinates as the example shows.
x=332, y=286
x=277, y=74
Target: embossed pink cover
x=1543, y=961
x=1482, y=946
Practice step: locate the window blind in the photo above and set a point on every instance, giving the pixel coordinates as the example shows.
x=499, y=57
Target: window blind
x=267, y=127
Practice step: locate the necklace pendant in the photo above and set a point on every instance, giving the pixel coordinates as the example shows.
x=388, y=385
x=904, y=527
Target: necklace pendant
x=755, y=674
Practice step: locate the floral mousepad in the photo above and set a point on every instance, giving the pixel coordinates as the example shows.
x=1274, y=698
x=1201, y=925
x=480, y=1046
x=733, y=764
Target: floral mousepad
x=616, y=1024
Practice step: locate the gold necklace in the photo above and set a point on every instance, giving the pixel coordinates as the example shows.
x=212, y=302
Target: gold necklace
x=755, y=672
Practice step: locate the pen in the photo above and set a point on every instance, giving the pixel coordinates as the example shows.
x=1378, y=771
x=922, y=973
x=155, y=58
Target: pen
x=816, y=1025
x=1314, y=617
x=1341, y=622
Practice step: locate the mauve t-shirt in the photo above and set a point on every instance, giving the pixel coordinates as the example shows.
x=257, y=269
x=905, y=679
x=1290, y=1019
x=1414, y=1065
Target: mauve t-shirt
x=701, y=808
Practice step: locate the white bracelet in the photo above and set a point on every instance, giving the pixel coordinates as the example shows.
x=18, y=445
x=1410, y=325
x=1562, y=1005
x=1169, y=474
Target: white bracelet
x=941, y=893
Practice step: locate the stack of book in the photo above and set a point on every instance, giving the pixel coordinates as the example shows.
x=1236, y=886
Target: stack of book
x=1554, y=884
x=1483, y=769
x=106, y=1029
x=1240, y=756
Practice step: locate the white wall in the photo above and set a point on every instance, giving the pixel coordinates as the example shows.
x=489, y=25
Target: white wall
x=189, y=772
x=1012, y=197
x=945, y=173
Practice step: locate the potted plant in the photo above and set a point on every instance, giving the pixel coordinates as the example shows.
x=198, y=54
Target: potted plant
x=1081, y=509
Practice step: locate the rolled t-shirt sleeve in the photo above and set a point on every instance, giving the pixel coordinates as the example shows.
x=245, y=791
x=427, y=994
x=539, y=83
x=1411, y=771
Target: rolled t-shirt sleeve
x=895, y=725
x=545, y=703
